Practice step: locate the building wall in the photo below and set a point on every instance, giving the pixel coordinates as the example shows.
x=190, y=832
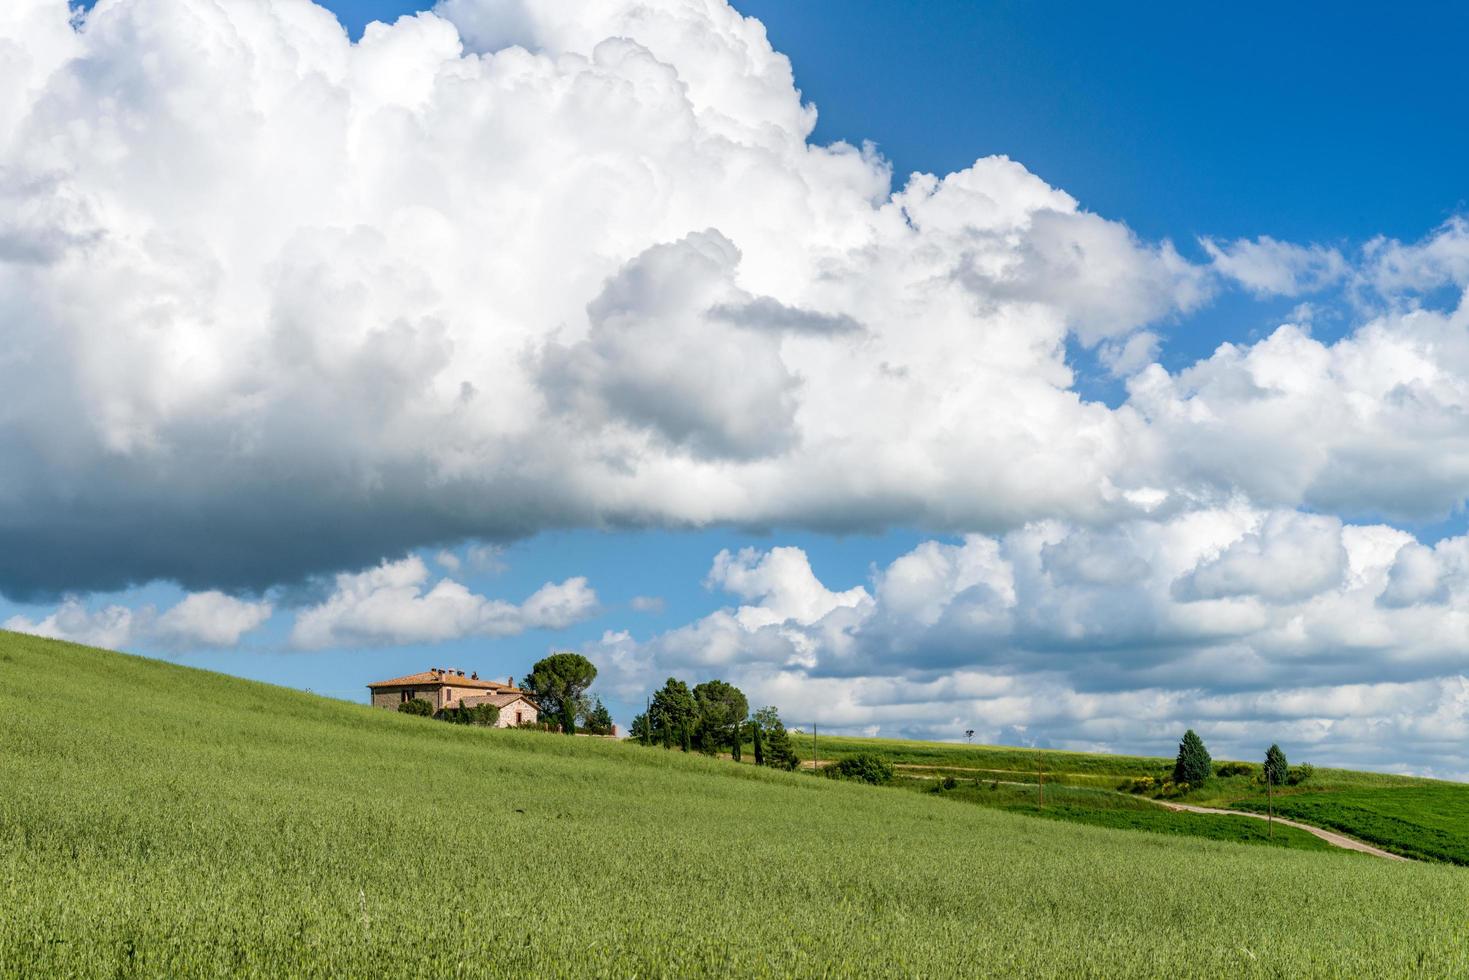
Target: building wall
x=507, y=713
x=393, y=696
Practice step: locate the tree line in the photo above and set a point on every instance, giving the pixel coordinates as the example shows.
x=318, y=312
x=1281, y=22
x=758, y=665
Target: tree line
x=713, y=717
x=1193, y=766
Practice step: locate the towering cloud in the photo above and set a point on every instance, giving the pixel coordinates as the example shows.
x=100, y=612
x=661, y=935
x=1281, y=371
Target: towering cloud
x=502, y=268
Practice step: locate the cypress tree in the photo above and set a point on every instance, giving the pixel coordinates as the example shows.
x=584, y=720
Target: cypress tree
x=735, y=749
x=1276, y=768
x=759, y=747
x=687, y=741
x=779, y=752
x=1193, y=765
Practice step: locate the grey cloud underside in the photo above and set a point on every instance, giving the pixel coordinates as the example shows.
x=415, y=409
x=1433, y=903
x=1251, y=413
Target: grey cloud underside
x=764, y=313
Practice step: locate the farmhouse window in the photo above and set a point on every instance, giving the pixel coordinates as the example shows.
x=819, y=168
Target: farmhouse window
x=517, y=717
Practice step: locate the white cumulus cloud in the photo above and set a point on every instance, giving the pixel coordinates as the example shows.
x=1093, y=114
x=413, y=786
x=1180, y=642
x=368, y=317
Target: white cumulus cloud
x=395, y=603
x=1251, y=625
x=505, y=267
x=201, y=620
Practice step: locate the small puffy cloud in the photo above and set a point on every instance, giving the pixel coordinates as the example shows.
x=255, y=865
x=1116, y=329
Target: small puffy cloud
x=482, y=558
x=1291, y=557
x=201, y=620
x=1393, y=267
x=394, y=603
x=1267, y=267
x=209, y=619
x=1414, y=578
x=647, y=604
x=556, y=606
x=1369, y=423
x=782, y=581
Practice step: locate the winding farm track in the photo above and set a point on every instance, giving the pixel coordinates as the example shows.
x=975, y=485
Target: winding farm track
x=1331, y=837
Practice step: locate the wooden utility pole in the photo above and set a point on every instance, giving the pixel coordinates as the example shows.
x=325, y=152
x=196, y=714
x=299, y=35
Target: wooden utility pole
x=1270, y=802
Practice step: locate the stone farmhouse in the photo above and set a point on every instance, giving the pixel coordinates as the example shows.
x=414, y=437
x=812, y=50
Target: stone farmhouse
x=445, y=687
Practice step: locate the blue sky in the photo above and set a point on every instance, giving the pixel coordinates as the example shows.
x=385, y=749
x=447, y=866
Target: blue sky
x=500, y=393
x=1183, y=120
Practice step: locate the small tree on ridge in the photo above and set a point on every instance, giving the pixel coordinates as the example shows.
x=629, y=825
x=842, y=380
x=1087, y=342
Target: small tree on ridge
x=1277, y=770
x=1193, y=765
x=559, y=683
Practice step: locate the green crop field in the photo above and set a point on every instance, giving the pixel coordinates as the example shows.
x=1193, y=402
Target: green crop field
x=1424, y=822
x=1102, y=808
x=961, y=758
x=160, y=821
x=1420, y=818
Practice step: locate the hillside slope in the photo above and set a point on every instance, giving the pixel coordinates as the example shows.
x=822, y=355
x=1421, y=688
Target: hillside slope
x=1424, y=819
x=157, y=820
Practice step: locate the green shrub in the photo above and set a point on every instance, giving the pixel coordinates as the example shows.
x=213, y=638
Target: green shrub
x=484, y=715
x=1299, y=774
x=1140, y=784
x=598, y=720
x=949, y=782
x=417, y=706
x=1226, y=769
x=863, y=767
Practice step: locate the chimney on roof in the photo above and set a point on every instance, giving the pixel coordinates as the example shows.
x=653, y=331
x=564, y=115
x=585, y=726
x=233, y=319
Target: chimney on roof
x=474, y=676
x=461, y=673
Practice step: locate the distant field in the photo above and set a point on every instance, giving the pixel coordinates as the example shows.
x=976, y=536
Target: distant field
x=1109, y=809
x=1423, y=822
x=959, y=756
x=160, y=821
x=1420, y=818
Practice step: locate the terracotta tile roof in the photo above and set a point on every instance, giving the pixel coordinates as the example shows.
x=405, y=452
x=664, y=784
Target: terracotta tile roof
x=501, y=700
x=430, y=678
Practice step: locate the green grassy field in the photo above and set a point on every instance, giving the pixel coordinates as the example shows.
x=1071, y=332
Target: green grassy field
x=1421, y=822
x=956, y=757
x=1105, y=808
x=159, y=821
x=1420, y=818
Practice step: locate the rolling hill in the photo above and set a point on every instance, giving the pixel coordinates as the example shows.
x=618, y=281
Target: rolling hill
x=1424, y=819
x=162, y=821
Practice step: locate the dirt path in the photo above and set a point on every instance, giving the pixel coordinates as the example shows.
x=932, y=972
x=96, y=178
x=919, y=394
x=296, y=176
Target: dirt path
x=1331, y=837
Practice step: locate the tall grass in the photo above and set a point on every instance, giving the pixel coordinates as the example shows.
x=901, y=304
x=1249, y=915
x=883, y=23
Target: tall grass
x=157, y=821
